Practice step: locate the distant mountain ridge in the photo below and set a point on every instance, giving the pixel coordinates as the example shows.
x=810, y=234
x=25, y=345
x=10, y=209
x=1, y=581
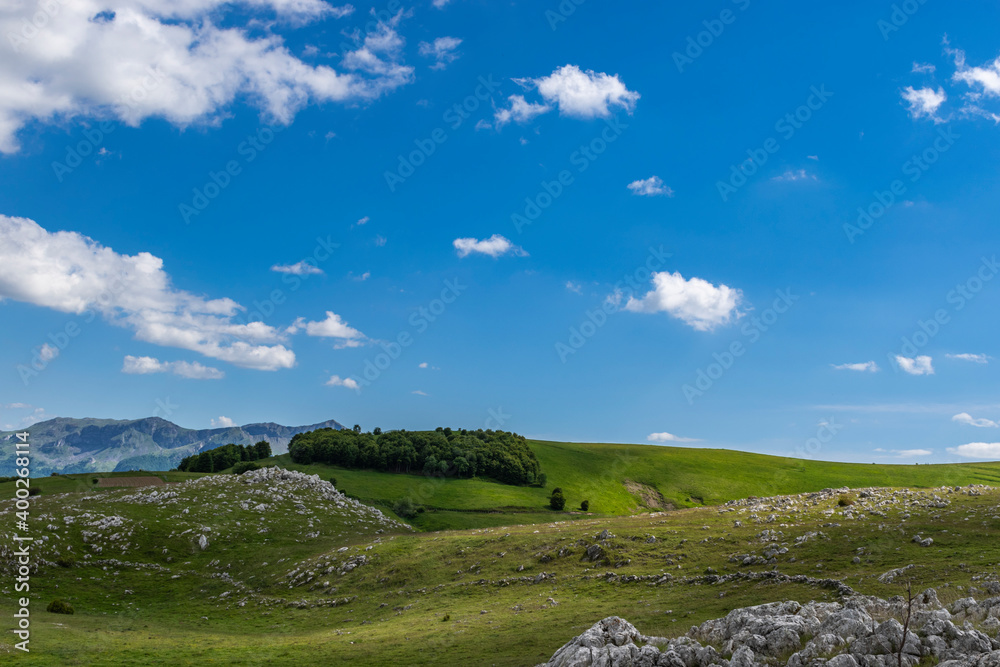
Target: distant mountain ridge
x=65, y=445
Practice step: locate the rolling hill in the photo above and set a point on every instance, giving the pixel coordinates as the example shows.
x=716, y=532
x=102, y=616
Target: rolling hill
x=65, y=445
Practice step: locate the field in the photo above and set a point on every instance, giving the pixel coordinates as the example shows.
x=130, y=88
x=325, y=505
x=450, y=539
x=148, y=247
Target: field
x=290, y=575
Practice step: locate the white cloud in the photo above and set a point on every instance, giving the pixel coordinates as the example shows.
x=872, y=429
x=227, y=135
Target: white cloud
x=695, y=302
x=924, y=101
x=794, y=175
x=584, y=94
x=424, y=364
x=494, y=246
x=185, y=369
x=905, y=453
x=362, y=221
x=334, y=327
x=303, y=268
x=920, y=68
x=985, y=78
x=440, y=4
x=966, y=418
x=442, y=50
x=520, y=111
x=869, y=366
x=72, y=273
x=919, y=366
x=222, y=422
x=976, y=358
x=574, y=287
x=363, y=277
x=185, y=62
x=48, y=352
x=669, y=437
x=418, y=392
x=977, y=450
x=337, y=381
x=650, y=187
x=380, y=240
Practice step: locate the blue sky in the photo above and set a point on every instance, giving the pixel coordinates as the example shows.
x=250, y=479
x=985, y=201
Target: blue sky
x=761, y=227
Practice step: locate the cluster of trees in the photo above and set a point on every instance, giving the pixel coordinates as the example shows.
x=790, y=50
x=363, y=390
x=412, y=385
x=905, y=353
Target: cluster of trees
x=220, y=458
x=500, y=455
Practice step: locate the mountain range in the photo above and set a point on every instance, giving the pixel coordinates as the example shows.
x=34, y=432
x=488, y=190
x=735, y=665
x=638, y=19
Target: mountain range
x=64, y=445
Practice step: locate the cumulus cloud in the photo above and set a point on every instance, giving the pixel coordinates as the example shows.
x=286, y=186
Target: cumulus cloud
x=920, y=366
x=924, y=102
x=574, y=287
x=965, y=356
x=869, y=366
x=185, y=62
x=966, y=418
x=48, y=352
x=72, y=273
x=696, y=302
x=303, y=268
x=494, y=246
x=669, y=437
x=337, y=381
x=185, y=369
x=793, y=175
x=650, y=187
x=334, y=327
x=977, y=450
x=222, y=422
x=442, y=50
x=576, y=93
x=519, y=111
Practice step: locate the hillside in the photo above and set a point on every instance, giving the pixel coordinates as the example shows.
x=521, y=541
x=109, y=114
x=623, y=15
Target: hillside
x=277, y=567
x=65, y=445
x=622, y=479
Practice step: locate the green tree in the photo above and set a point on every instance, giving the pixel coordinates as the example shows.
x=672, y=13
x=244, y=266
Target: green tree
x=585, y=506
x=357, y=428
x=263, y=449
x=557, y=501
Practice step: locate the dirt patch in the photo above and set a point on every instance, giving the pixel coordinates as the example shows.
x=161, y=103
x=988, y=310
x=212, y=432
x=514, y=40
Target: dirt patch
x=104, y=482
x=647, y=495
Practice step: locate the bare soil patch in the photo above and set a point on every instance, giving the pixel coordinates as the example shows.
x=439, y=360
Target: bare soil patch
x=647, y=495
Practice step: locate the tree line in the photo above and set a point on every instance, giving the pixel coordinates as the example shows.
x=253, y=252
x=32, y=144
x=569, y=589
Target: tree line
x=226, y=456
x=500, y=455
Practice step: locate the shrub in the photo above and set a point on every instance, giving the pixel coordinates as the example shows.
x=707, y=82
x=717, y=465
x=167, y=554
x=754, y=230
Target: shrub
x=406, y=509
x=845, y=501
x=542, y=479
x=556, y=500
x=333, y=480
x=58, y=606
x=66, y=561
x=244, y=466
x=93, y=481
x=34, y=491
x=585, y=506
x=447, y=617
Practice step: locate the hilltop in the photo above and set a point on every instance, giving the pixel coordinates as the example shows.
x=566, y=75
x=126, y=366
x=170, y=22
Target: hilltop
x=64, y=445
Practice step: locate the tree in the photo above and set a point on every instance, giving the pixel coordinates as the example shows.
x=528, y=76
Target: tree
x=542, y=479
x=585, y=506
x=263, y=449
x=357, y=428
x=245, y=466
x=556, y=500
x=377, y=431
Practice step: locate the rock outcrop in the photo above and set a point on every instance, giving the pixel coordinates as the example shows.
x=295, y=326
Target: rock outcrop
x=862, y=631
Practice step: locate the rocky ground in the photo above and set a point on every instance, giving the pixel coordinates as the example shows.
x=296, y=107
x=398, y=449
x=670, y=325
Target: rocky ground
x=862, y=631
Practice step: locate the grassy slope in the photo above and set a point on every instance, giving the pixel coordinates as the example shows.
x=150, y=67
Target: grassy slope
x=686, y=477
x=415, y=581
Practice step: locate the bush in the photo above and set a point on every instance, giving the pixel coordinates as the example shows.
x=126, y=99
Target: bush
x=541, y=479
x=333, y=480
x=93, y=481
x=66, y=561
x=244, y=466
x=406, y=509
x=447, y=617
x=585, y=506
x=556, y=500
x=34, y=491
x=58, y=606
x=845, y=501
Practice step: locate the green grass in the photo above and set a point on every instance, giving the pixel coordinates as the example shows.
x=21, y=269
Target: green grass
x=685, y=477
